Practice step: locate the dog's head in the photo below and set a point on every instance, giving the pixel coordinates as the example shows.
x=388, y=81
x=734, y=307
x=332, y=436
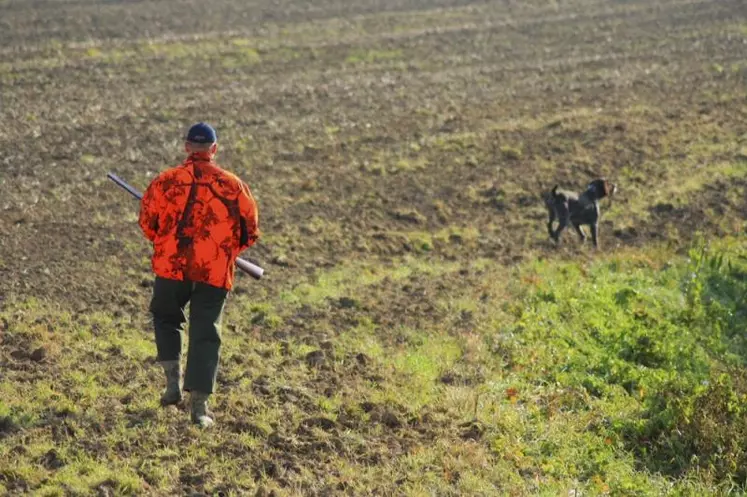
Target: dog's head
x=601, y=188
x=547, y=196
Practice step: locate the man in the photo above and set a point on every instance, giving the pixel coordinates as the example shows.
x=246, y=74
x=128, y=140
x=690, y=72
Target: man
x=199, y=218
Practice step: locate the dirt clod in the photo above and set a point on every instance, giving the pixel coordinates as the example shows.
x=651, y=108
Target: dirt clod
x=325, y=424
x=261, y=386
x=279, y=441
x=387, y=417
x=52, y=460
x=362, y=359
x=7, y=426
x=39, y=354
x=250, y=428
x=472, y=430
x=315, y=358
x=347, y=303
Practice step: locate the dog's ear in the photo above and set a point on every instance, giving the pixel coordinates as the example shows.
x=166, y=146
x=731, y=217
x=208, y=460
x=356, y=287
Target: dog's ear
x=611, y=188
x=608, y=186
x=599, y=187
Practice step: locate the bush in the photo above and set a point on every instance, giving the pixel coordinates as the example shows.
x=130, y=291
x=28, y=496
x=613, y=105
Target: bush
x=659, y=354
x=705, y=428
x=694, y=423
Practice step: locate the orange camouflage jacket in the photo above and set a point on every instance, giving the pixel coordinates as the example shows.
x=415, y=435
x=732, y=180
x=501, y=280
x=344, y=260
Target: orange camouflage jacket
x=199, y=218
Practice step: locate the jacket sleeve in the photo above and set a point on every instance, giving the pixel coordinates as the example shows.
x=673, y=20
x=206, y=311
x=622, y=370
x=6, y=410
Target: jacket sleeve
x=149, y=209
x=249, y=218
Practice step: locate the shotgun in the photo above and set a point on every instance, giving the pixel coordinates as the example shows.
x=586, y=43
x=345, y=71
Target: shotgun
x=252, y=270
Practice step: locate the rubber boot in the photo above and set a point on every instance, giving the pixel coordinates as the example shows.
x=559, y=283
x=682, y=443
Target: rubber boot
x=199, y=411
x=173, y=393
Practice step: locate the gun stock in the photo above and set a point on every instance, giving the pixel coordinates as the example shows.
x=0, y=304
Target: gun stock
x=252, y=270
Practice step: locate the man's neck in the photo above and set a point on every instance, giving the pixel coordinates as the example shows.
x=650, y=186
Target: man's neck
x=204, y=156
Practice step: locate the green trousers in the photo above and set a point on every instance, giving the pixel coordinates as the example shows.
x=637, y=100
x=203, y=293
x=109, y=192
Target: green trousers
x=170, y=298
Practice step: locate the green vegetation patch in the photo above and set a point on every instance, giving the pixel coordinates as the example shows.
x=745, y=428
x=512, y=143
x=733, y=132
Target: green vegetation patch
x=651, y=356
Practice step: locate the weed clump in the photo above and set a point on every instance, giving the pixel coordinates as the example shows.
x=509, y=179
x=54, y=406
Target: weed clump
x=669, y=341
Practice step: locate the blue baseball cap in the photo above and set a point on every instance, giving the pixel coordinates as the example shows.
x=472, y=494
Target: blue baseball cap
x=202, y=133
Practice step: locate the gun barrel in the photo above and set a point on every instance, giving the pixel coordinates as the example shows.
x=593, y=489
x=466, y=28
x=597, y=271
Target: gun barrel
x=124, y=185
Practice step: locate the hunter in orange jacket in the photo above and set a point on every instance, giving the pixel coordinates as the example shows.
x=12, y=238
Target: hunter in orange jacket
x=199, y=218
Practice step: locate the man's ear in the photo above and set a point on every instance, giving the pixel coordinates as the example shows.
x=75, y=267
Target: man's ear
x=186, y=147
x=214, y=148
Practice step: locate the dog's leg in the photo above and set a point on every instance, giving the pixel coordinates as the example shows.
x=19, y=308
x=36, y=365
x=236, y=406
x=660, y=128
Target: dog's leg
x=579, y=231
x=564, y=216
x=594, y=238
x=551, y=219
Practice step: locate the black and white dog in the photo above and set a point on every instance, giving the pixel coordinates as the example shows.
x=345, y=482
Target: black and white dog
x=577, y=210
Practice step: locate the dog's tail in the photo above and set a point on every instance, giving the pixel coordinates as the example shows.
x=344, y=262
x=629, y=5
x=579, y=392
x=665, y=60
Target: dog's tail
x=542, y=190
